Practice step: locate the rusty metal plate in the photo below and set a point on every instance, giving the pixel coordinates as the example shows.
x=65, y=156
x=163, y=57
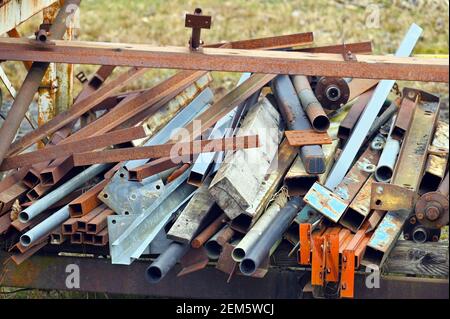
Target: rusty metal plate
x=392, y=197
x=307, y=137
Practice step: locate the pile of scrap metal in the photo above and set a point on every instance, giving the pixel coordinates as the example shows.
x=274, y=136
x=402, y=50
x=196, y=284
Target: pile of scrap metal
x=290, y=157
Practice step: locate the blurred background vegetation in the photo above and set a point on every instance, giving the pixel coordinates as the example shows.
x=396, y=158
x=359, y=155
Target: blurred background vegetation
x=160, y=22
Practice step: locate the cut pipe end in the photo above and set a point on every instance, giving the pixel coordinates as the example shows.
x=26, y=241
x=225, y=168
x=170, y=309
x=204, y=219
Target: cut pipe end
x=238, y=254
x=24, y=217
x=383, y=174
x=247, y=267
x=420, y=235
x=213, y=249
x=153, y=274
x=321, y=123
x=25, y=240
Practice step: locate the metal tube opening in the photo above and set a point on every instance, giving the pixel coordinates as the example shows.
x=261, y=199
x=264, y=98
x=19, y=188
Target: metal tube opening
x=383, y=174
x=247, y=267
x=154, y=274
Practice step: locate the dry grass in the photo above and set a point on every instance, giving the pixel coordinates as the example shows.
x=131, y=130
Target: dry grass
x=161, y=22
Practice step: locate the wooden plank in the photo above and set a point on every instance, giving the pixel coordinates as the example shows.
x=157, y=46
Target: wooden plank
x=427, y=260
x=239, y=178
x=193, y=216
x=224, y=59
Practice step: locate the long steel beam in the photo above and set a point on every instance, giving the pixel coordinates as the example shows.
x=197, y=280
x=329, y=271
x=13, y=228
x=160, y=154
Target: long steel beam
x=231, y=60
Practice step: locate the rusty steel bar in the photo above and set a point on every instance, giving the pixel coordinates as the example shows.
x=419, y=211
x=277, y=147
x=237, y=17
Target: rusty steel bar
x=96, y=81
x=66, y=149
x=432, y=207
x=230, y=60
x=154, y=167
x=69, y=227
x=208, y=232
x=166, y=150
x=78, y=109
x=30, y=85
x=87, y=202
x=437, y=161
x=9, y=196
x=405, y=113
x=55, y=171
x=349, y=122
x=370, y=113
x=83, y=221
x=312, y=107
x=98, y=223
x=295, y=118
x=357, y=47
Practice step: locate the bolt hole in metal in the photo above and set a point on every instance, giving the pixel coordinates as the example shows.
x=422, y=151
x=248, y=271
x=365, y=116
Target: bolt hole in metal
x=158, y=187
x=333, y=93
x=122, y=175
x=133, y=196
x=370, y=168
x=126, y=213
x=114, y=221
x=378, y=202
x=105, y=195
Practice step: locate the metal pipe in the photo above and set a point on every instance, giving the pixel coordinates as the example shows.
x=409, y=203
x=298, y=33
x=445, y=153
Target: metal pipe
x=40, y=230
x=41, y=205
x=261, y=249
x=261, y=226
x=310, y=104
x=215, y=245
x=31, y=84
x=165, y=262
x=388, y=158
x=296, y=119
x=369, y=115
x=383, y=119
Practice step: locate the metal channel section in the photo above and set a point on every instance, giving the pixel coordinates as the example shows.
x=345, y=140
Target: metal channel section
x=204, y=161
x=412, y=154
x=22, y=9
x=133, y=240
x=342, y=165
x=129, y=197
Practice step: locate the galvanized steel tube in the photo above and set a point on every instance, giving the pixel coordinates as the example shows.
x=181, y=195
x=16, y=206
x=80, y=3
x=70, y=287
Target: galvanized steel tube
x=254, y=234
x=31, y=84
x=296, y=119
x=42, y=204
x=273, y=233
x=165, y=262
x=215, y=245
x=42, y=229
x=310, y=104
x=386, y=164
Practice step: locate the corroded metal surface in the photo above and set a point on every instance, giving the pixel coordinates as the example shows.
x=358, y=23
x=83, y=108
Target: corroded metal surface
x=14, y=12
x=326, y=202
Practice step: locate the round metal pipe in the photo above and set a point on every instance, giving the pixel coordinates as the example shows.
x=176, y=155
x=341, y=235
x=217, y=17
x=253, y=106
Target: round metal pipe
x=253, y=235
x=165, y=262
x=31, y=84
x=388, y=158
x=261, y=249
x=420, y=235
x=42, y=229
x=310, y=104
x=42, y=204
x=215, y=245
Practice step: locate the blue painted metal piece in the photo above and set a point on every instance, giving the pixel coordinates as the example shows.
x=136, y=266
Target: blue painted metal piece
x=359, y=134
x=384, y=237
x=370, y=113
x=326, y=202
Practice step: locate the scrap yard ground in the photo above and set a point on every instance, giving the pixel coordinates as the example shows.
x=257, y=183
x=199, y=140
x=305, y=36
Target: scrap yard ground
x=157, y=22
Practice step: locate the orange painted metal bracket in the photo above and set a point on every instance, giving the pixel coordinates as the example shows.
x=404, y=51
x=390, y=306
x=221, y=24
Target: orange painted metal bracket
x=332, y=257
x=318, y=261
x=307, y=137
x=348, y=274
x=305, y=244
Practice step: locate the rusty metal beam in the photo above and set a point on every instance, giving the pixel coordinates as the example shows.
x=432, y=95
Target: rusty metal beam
x=15, y=12
x=67, y=149
x=231, y=60
x=166, y=150
x=31, y=85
